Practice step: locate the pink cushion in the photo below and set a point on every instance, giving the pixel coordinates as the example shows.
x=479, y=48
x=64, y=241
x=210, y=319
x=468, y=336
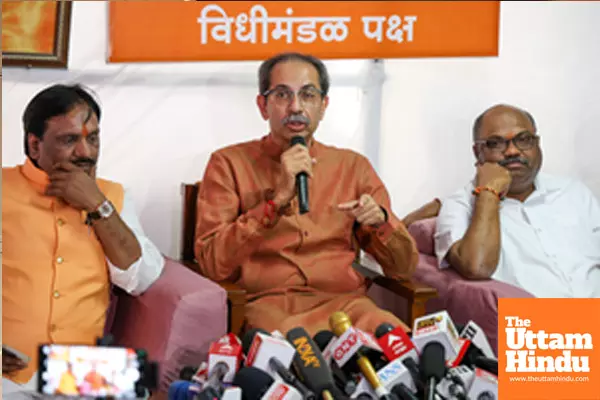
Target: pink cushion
x=175, y=320
x=422, y=231
x=466, y=300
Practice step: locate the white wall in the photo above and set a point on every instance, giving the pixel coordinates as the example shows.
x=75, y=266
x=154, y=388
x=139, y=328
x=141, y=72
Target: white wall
x=549, y=63
x=161, y=121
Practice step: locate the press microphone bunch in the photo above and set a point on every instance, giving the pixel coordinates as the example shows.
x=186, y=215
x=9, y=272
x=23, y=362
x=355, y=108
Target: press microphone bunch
x=347, y=363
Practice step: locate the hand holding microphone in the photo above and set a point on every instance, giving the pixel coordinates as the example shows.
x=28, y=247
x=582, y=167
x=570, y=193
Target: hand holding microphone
x=296, y=167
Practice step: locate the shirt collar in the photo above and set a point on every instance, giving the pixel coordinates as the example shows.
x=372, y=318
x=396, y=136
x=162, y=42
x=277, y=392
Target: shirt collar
x=38, y=177
x=545, y=184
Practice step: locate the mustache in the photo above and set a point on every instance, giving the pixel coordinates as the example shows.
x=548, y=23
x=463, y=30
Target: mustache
x=507, y=161
x=84, y=162
x=296, y=118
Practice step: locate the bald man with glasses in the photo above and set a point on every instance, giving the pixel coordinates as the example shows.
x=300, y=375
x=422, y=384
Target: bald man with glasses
x=517, y=225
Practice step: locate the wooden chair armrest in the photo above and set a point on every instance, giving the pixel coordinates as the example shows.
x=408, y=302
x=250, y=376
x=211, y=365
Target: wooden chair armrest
x=415, y=293
x=236, y=301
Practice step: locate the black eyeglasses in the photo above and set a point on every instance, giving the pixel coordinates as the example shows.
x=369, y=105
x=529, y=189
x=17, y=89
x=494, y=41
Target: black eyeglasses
x=282, y=95
x=523, y=141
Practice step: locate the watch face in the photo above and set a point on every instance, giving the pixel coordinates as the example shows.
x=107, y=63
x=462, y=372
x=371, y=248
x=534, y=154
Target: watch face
x=105, y=210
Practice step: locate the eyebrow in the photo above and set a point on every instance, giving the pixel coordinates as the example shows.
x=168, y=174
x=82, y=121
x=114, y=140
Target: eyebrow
x=89, y=115
x=515, y=135
x=308, y=85
x=94, y=132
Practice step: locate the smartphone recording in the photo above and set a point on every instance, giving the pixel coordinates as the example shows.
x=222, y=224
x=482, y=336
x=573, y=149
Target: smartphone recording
x=73, y=370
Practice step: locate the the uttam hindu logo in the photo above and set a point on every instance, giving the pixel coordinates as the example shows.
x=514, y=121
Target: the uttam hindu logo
x=548, y=350
x=524, y=346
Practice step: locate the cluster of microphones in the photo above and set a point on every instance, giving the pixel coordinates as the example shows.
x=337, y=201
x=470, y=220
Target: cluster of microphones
x=437, y=363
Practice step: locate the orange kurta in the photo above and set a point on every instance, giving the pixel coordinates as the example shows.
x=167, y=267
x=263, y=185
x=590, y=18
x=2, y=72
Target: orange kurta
x=55, y=282
x=298, y=271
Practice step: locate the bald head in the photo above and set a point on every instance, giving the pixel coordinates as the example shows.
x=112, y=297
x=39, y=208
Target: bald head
x=499, y=112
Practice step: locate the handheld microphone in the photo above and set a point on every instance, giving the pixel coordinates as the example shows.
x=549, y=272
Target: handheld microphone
x=403, y=392
x=301, y=181
x=227, y=350
x=433, y=367
x=273, y=355
x=395, y=343
x=456, y=383
x=187, y=373
x=437, y=327
x=341, y=379
x=261, y=347
x=290, y=379
x=258, y=385
x=392, y=375
x=475, y=334
x=340, y=325
x=213, y=387
x=310, y=365
x=484, y=386
x=259, y=344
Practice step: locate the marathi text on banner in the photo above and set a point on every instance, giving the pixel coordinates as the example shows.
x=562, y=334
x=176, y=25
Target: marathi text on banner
x=255, y=25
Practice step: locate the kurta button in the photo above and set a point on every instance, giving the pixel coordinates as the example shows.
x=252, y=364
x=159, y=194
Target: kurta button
x=59, y=260
x=56, y=294
x=60, y=222
x=305, y=233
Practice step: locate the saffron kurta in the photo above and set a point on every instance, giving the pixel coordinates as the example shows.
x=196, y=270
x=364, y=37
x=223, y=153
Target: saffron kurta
x=297, y=271
x=55, y=282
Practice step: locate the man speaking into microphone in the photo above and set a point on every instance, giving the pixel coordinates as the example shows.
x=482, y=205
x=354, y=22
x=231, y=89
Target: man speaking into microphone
x=284, y=216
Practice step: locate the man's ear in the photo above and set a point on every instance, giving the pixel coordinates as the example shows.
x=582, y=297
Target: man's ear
x=324, y=108
x=261, y=102
x=479, y=159
x=33, y=145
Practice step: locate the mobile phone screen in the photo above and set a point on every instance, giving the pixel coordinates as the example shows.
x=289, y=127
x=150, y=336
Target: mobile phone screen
x=88, y=371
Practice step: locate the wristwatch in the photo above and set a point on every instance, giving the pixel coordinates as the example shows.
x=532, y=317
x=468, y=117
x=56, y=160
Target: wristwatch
x=103, y=211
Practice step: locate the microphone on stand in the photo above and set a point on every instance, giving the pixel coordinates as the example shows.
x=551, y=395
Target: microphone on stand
x=213, y=387
x=274, y=356
x=311, y=367
x=433, y=367
x=340, y=323
x=259, y=385
x=340, y=377
x=301, y=180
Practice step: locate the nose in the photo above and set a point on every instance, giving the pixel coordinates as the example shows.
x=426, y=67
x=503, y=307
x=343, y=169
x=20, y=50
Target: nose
x=82, y=149
x=511, y=150
x=295, y=105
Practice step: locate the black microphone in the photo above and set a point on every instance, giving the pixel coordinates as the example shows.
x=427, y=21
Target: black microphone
x=433, y=367
x=301, y=181
x=487, y=364
x=311, y=367
x=249, y=337
x=403, y=392
x=253, y=382
x=475, y=357
x=413, y=369
x=213, y=387
x=290, y=379
x=278, y=366
x=187, y=373
x=341, y=379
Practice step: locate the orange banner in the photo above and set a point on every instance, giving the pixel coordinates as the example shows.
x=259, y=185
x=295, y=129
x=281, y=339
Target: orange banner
x=548, y=349
x=249, y=30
